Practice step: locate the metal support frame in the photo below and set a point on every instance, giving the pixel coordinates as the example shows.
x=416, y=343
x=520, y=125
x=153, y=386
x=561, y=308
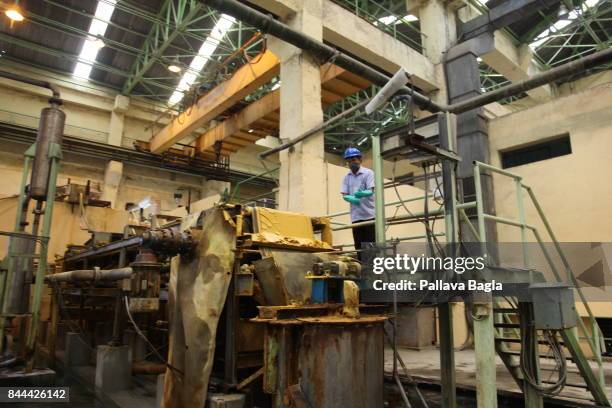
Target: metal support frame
x=596, y=383
x=448, y=142
x=379, y=191
x=174, y=19
x=55, y=154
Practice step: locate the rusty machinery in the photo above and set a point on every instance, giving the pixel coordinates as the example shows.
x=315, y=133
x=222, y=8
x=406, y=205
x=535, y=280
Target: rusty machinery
x=286, y=285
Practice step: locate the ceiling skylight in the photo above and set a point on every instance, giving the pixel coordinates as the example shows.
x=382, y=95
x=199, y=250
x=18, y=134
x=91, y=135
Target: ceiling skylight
x=566, y=20
x=199, y=61
x=388, y=20
x=94, y=42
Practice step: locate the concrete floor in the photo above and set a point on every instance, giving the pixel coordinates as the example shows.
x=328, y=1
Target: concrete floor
x=424, y=366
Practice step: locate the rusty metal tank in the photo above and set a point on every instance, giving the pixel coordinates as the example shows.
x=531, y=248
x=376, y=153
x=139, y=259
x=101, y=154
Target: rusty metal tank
x=50, y=130
x=324, y=359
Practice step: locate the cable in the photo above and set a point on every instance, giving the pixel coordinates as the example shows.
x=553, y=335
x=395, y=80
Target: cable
x=141, y=334
x=406, y=372
x=530, y=355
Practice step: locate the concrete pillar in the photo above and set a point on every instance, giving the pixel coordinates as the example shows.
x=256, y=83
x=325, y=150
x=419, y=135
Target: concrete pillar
x=113, y=174
x=212, y=187
x=438, y=24
x=113, y=368
x=114, y=169
x=302, y=174
x=78, y=351
x=115, y=127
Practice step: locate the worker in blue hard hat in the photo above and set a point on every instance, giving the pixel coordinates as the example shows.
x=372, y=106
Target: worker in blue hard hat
x=358, y=190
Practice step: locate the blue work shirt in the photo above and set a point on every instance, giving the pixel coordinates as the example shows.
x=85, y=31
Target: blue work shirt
x=362, y=180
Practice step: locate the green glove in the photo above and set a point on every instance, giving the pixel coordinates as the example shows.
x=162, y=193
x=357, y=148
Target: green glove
x=363, y=193
x=350, y=199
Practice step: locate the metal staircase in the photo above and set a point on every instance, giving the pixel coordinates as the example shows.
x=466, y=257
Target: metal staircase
x=512, y=319
x=508, y=345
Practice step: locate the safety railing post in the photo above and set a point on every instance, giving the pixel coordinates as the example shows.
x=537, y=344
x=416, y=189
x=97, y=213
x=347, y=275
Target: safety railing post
x=521, y=212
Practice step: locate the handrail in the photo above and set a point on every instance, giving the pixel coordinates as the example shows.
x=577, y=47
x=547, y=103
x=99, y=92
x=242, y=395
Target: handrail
x=595, y=343
x=253, y=177
x=408, y=200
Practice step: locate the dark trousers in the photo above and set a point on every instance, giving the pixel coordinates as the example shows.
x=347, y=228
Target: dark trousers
x=366, y=233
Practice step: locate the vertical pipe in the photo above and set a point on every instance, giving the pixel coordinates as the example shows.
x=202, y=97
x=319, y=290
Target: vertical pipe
x=445, y=311
x=6, y=278
x=54, y=155
x=379, y=190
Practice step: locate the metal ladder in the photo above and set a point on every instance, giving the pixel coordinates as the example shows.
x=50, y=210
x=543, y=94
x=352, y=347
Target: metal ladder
x=508, y=336
x=593, y=378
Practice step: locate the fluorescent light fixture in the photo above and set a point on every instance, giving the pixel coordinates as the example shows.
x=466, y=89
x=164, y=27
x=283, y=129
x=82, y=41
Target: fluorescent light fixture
x=93, y=43
x=199, y=61
x=175, y=68
x=276, y=86
x=14, y=14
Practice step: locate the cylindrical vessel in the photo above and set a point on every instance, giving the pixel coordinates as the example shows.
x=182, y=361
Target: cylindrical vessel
x=19, y=292
x=329, y=361
x=342, y=365
x=50, y=130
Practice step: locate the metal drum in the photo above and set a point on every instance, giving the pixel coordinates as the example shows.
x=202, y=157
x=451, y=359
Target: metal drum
x=50, y=130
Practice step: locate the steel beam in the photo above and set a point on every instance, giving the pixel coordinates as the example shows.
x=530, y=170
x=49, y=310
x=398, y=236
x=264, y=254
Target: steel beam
x=501, y=16
x=174, y=20
x=244, y=81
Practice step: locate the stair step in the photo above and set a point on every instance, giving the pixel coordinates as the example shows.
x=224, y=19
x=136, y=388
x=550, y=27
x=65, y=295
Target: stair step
x=518, y=353
x=505, y=310
x=507, y=325
x=586, y=387
x=515, y=340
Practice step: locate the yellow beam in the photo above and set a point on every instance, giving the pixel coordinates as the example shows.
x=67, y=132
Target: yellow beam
x=244, y=81
x=256, y=111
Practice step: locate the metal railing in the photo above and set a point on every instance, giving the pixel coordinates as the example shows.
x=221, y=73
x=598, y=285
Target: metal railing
x=234, y=195
x=391, y=28
x=595, y=338
x=393, y=220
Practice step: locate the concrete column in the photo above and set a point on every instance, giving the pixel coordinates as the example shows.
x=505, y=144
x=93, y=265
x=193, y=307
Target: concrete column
x=114, y=169
x=438, y=32
x=212, y=187
x=113, y=174
x=115, y=127
x=113, y=368
x=302, y=173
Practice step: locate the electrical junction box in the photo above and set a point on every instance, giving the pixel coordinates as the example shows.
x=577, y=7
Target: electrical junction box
x=553, y=306
x=226, y=401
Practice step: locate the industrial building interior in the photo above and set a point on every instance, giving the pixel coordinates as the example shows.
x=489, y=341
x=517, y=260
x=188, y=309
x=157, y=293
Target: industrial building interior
x=174, y=230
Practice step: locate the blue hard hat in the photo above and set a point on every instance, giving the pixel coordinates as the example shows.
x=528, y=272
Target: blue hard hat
x=351, y=152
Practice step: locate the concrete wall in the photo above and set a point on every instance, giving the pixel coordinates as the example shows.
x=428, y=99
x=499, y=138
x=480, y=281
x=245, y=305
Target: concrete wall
x=137, y=182
x=574, y=190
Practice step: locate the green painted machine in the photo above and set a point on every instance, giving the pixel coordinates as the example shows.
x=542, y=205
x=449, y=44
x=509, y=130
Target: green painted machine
x=26, y=260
